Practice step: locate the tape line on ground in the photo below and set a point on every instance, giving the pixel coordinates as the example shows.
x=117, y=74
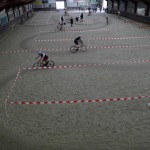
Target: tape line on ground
x=14, y=83
x=79, y=30
x=109, y=38
x=33, y=25
x=78, y=101
x=85, y=65
x=67, y=49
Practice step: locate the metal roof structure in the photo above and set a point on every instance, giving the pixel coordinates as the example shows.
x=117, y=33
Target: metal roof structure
x=6, y=4
x=145, y=1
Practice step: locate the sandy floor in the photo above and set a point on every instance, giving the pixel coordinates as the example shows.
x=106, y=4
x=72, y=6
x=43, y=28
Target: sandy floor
x=122, y=72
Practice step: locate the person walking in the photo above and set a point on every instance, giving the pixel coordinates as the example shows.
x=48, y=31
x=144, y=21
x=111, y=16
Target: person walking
x=77, y=18
x=106, y=19
x=118, y=13
x=81, y=17
x=62, y=19
x=71, y=21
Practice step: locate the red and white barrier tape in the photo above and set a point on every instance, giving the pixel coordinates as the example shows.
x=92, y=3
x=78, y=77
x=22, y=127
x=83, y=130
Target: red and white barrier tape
x=34, y=24
x=14, y=83
x=87, y=65
x=66, y=49
x=140, y=25
x=78, y=101
x=85, y=22
x=144, y=26
x=109, y=38
x=79, y=30
x=40, y=20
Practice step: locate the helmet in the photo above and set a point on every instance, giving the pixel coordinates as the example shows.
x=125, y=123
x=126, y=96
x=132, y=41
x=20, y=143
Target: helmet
x=39, y=53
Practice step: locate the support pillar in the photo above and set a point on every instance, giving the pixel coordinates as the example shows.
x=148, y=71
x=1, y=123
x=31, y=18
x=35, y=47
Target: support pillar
x=135, y=8
x=7, y=15
x=126, y=6
x=147, y=10
x=112, y=4
x=118, y=4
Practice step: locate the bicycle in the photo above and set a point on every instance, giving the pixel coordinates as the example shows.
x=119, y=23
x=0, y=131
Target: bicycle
x=48, y=63
x=74, y=48
x=60, y=28
x=90, y=13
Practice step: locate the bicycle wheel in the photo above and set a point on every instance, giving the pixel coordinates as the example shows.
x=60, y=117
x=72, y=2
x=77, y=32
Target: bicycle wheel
x=56, y=29
x=73, y=49
x=63, y=29
x=50, y=63
x=83, y=48
x=37, y=64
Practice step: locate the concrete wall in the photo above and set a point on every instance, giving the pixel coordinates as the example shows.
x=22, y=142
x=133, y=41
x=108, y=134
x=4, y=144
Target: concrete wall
x=3, y=18
x=149, y=11
x=115, y=5
x=122, y=6
x=130, y=8
x=140, y=15
x=109, y=4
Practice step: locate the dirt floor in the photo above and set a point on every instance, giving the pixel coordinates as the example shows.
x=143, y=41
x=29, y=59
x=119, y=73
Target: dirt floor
x=115, y=65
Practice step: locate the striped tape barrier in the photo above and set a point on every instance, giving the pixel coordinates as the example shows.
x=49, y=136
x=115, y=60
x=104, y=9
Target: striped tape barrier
x=85, y=22
x=78, y=30
x=86, y=65
x=78, y=101
x=144, y=26
x=34, y=25
x=109, y=38
x=67, y=49
x=14, y=83
x=40, y=20
x=139, y=24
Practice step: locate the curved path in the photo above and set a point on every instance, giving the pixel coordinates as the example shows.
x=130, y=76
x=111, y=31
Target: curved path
x=102, y=94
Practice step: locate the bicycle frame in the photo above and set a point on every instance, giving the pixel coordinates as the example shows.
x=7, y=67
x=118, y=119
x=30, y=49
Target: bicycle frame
x=79, y=45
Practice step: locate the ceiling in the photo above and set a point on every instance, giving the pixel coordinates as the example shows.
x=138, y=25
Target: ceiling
x=146, y=1
x=6, y=4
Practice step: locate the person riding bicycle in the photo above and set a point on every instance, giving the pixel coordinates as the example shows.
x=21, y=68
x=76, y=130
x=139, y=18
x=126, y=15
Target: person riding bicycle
x=59, y=26
x=90, y=13
x=78, y=41
x=43, y=58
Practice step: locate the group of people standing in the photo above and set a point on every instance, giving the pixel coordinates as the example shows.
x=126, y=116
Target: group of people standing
x=77, y=19
x=61, y=23
x=94, y=9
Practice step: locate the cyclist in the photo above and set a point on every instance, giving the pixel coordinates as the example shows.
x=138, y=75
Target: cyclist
x=43, y=58
x=90, y=13
x=81, y=17
x=59, y=26
x=78, y=41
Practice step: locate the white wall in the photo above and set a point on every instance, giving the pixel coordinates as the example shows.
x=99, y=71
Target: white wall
x=71, y=4
x=141, y=8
